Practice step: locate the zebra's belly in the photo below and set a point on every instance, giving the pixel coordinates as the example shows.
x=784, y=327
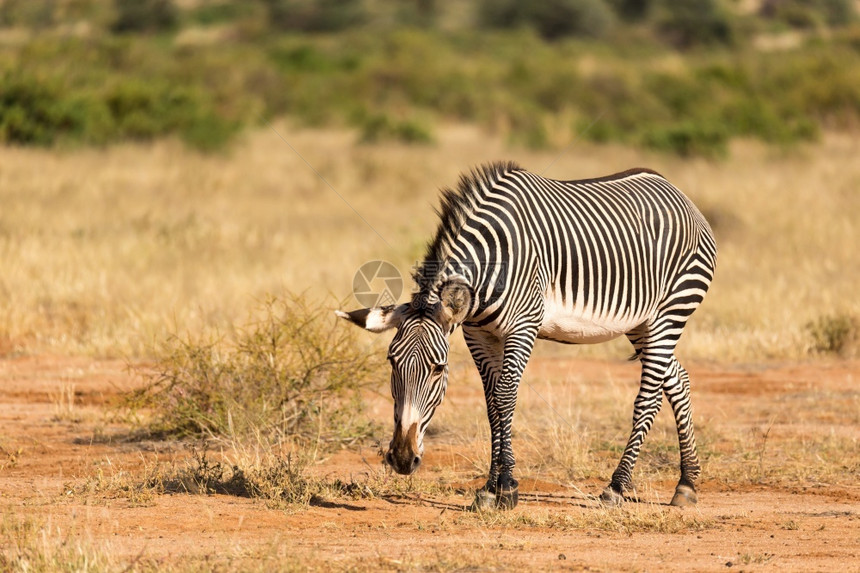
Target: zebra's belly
x=574, y=327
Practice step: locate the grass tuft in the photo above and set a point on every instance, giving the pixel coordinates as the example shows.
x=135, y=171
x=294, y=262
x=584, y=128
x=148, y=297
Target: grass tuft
x=28, y=546
x=835, y=334
x=279, y=475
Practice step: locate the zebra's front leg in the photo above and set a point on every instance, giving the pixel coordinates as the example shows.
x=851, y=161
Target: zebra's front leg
x=487, y=351
x=645, y=409
x=485, y=498
x=518, y=349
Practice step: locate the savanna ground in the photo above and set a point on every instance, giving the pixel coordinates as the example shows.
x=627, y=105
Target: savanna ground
x=779, y=490
x=105, y=252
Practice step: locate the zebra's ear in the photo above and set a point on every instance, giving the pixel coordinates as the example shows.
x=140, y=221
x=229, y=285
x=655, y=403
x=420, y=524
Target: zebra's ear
x=376, y=319
x=456, y=299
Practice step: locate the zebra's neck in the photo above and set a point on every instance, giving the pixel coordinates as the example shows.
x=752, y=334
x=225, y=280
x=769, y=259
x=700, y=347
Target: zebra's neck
x=448, y=256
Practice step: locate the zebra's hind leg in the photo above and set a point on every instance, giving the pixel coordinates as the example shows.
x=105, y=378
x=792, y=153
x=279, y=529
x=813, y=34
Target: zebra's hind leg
x=677, y=390
x=645, y=409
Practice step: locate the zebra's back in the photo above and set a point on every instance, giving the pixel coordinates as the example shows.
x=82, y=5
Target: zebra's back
x=608, y=250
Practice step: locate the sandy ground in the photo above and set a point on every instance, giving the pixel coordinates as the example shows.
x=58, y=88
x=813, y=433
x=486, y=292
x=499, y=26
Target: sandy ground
x=46, y=448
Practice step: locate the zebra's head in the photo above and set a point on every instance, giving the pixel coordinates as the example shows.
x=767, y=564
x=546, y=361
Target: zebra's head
x=418, y=355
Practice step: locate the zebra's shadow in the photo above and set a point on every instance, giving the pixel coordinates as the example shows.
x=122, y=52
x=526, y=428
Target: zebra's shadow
x=531, y=498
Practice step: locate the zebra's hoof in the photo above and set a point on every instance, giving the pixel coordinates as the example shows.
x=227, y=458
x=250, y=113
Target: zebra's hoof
x=685, y=496
x=508, y=498
x=484, y=501
x=611, y=497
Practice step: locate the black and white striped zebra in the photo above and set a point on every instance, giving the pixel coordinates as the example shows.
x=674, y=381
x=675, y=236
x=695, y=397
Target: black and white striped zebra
x=518, y=257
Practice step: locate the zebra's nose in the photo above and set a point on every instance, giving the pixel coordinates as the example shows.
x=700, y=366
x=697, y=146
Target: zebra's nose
x=404, y=463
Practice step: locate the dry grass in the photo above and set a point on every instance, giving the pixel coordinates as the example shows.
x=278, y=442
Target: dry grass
x=105, y=250
x=64, y=403
x=628, y=519
x=280, y=480
x=281, y=475
x=571, y=427
x=44, y=547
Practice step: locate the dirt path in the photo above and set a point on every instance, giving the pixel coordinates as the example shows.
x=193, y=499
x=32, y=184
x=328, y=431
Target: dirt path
x=49, y=446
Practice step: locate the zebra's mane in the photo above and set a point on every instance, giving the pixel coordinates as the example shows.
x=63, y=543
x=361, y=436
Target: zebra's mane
x=456, y=206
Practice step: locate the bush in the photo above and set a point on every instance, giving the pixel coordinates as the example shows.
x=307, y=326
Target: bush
x=145, y=110
x=810, y=13
x=551, y=18
x=41, y=112
x=145, y=16
x=633, y=10
x=527, y=127
x=29, y=13
x=223, y=12
x=559, y=18
x=294, y=374
x=380, y=127
x=689, y=138
x=688, y=23
x=422, y=13
x=36, y=112
x=314, y=15
x=835, y=334
x=391, y=85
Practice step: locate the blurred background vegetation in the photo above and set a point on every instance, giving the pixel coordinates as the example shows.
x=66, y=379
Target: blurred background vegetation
x=683, y=76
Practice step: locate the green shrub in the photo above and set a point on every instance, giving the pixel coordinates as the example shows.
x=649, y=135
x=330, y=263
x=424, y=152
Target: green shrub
x=560, y=18
x=27, y=13
x=391, y=84
x=294, y=374
x=503, y=14
x=810, y=13
x=551, y=18
x=144, y=16
x=528, y=127
x=376, y=127
x=616, y=106
x=314, y=15
x=688, y=138
x=224, y=11
x=422, y=13
x=207, y=131
x=37, y=112
x=633, y=10
x=687, y=23
x=145, y=110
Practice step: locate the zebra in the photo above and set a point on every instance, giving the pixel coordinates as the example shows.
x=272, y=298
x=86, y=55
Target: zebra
x=519, y=257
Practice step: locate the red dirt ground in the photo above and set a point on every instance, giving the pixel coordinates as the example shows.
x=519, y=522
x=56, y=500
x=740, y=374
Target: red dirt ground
x=44, y=451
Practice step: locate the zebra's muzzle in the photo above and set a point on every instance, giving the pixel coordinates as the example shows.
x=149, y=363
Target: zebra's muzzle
x=404, y=455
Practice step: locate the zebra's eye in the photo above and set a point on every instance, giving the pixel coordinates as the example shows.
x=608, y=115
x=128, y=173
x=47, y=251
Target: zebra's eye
x=438, y=369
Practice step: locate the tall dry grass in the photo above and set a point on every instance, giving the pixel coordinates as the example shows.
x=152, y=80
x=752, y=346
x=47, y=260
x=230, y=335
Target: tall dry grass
x=103, y=251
